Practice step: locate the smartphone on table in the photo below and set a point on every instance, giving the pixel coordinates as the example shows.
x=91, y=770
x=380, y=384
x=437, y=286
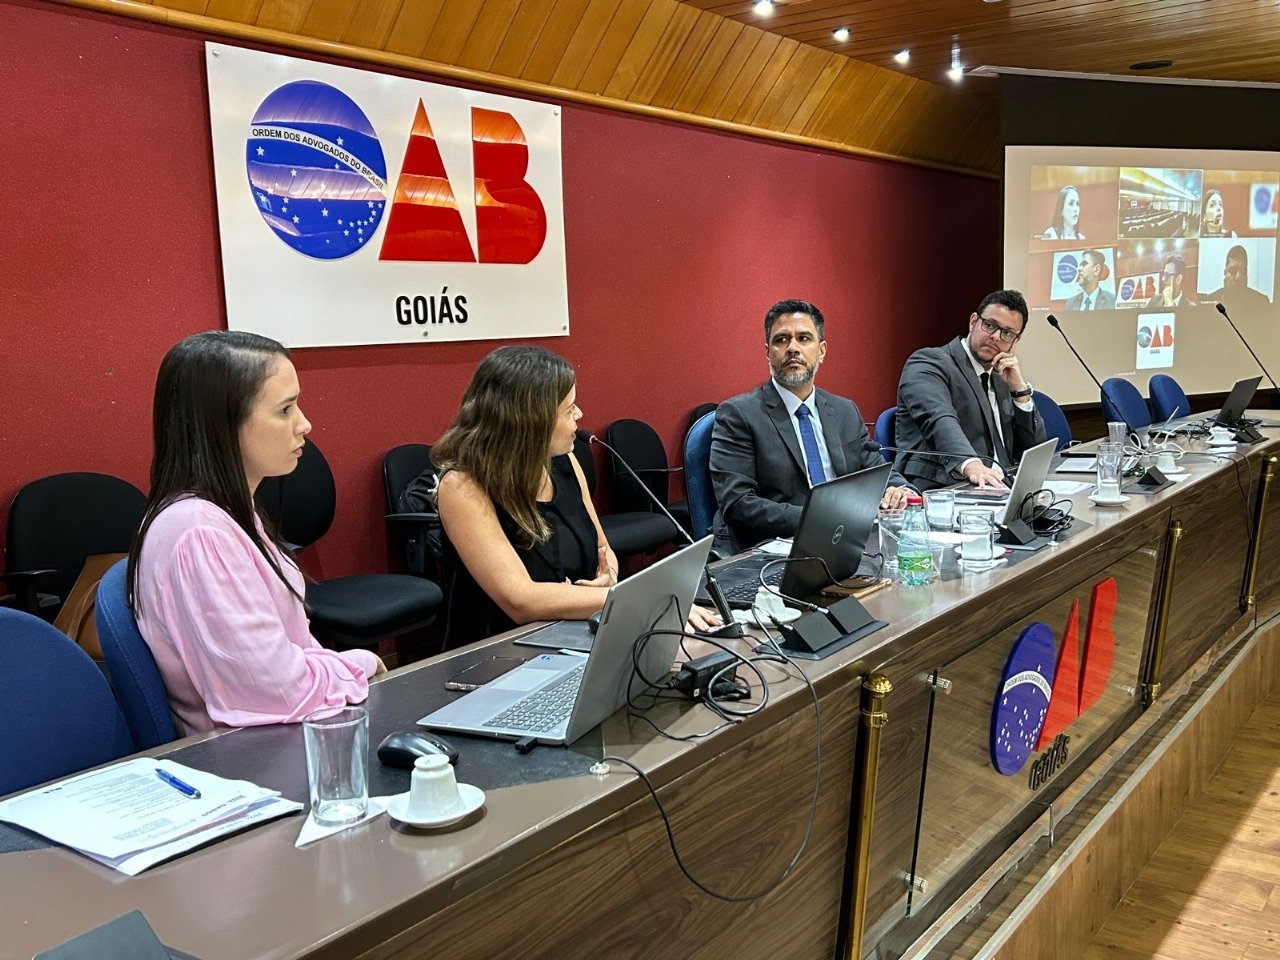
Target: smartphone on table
x=478, y=674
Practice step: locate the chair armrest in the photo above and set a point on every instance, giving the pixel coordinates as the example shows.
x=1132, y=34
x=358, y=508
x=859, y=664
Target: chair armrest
x=422, y=532
x=413, y=519
x=24, y=584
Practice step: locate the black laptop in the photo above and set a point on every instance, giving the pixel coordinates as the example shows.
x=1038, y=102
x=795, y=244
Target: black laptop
x=1238, y=400
x=834, y=527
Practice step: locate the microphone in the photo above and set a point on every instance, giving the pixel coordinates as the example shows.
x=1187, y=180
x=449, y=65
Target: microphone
x=1226, y=316
x=1053, y=322
x=731, y=628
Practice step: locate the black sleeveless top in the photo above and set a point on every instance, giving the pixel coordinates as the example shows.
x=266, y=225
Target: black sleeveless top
x=570, y=553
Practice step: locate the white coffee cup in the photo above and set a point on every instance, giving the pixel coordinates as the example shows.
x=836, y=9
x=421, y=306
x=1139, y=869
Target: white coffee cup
x=1166, y=462
x=1219, y=436
x=433, y=789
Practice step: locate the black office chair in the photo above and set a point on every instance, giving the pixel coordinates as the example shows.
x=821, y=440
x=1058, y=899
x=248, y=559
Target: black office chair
x=352, y=611
x=700, y=411
x=55, y=523
x=415, y=532
x=628, y=533
x=639, y=445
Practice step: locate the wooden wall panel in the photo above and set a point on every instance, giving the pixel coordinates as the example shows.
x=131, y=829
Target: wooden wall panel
x=655, y=56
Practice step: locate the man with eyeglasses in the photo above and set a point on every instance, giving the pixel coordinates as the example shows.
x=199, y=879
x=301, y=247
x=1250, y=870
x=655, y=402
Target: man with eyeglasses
x=968, y=402
x=770, y=446
x=1171, y=292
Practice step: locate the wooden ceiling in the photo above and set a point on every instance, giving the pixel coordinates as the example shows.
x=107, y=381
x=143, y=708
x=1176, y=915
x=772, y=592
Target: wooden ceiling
x=660, y=57
x=1219, y=40
x=719, y=64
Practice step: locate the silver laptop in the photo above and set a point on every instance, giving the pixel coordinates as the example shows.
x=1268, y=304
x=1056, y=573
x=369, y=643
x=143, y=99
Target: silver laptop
x=1033, y=470
x=556, y=698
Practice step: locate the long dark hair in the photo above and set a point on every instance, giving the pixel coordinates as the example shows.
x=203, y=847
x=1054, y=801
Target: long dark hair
x=205, y=391
x=503, y=431
x=1059, y=222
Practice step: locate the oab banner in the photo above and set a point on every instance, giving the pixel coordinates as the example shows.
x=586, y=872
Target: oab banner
x=360, y=208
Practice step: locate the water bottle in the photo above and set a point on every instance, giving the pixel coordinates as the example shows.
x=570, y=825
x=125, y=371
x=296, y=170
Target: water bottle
x=915, y=559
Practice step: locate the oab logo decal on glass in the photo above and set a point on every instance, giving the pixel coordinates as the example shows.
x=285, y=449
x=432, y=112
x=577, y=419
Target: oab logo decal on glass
x=1042, y=691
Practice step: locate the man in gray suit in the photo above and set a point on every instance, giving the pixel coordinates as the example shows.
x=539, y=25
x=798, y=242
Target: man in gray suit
x=969, y=402
x=1089, y=276
x=769, y=446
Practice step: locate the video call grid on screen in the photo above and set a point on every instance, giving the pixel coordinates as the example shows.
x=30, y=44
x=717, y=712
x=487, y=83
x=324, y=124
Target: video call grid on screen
x=1149, y=241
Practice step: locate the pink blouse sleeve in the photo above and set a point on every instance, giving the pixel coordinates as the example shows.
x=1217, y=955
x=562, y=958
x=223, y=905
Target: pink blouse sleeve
x=236, y=648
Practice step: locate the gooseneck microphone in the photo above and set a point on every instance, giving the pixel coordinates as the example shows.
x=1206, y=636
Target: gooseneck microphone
x=730, y=628
x=1053, y=322
x=1223, y=310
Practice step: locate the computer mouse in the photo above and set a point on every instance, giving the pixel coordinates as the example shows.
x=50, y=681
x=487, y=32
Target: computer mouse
x=593, y=622
x=402, y=748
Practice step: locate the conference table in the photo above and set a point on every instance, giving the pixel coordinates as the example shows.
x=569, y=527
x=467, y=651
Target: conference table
x=907, y=808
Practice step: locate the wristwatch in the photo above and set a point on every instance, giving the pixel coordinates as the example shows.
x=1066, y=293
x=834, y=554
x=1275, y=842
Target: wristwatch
x=1023, y=394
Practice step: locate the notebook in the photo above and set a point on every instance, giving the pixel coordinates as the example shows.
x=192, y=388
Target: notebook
x=556, y=698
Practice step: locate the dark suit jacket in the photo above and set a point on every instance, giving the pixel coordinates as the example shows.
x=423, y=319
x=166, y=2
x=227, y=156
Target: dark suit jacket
x=1102, y=300
x=941, y=407
x=758, y=470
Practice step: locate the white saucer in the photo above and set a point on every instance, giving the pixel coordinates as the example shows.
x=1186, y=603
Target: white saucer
x=472, y=800
x=1098, y=501
x=1174, y=473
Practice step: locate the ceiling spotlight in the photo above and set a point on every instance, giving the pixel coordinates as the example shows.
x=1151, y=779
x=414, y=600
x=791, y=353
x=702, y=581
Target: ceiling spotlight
x=956, y=73
x=902, y=57
x=841, y=34
x=763, y=8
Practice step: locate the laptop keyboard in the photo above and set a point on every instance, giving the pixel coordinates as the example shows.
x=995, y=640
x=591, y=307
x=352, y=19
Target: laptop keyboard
x=544, y=709
x=745, y=592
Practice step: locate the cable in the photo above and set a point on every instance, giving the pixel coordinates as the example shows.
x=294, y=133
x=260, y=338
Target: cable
x=813, y=804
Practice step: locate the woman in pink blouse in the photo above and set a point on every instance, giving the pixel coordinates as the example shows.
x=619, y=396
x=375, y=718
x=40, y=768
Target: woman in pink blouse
x=216, y=599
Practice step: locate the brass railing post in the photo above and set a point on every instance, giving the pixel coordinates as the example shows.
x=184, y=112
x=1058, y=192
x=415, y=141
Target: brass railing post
x=1151, y=684
x=1248, y=590
x=866, y=765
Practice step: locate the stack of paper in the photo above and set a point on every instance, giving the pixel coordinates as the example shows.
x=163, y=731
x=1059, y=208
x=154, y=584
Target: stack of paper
x=129, y=818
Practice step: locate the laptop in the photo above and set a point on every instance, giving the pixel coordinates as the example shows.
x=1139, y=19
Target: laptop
x=1238, y=400
x=1032, y=472
x=556, y=698
x=835, y=523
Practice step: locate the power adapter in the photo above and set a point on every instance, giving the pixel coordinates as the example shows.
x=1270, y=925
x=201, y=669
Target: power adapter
x=695, y=676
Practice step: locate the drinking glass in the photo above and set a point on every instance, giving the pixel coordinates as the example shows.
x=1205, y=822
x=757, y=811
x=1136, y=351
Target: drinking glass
x=940, y=508
x=889, y=523
x=337, y=744
x=1117, y=431
x=1109, y=455
x=977, y=549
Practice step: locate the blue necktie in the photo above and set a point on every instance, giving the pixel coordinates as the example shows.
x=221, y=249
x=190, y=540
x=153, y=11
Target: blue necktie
x=811, y=454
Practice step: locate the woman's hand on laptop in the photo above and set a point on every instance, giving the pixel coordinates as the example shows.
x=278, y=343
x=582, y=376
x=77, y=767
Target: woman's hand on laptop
x=895, y=498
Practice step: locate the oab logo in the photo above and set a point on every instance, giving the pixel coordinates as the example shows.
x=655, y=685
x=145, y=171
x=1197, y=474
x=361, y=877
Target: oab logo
x=1041, y=694
x=319, y=180
x=1068, y=268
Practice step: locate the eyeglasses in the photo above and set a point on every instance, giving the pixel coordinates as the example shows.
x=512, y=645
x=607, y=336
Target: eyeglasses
x=1004, y=333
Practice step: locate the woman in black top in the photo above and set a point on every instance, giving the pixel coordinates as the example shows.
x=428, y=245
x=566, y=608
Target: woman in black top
x=522, y=539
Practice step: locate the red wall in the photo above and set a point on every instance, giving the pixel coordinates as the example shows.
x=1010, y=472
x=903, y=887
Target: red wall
x=678, y=240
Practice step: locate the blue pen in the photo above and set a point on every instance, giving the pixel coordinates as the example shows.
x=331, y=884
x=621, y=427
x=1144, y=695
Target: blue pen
x=183, y=788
